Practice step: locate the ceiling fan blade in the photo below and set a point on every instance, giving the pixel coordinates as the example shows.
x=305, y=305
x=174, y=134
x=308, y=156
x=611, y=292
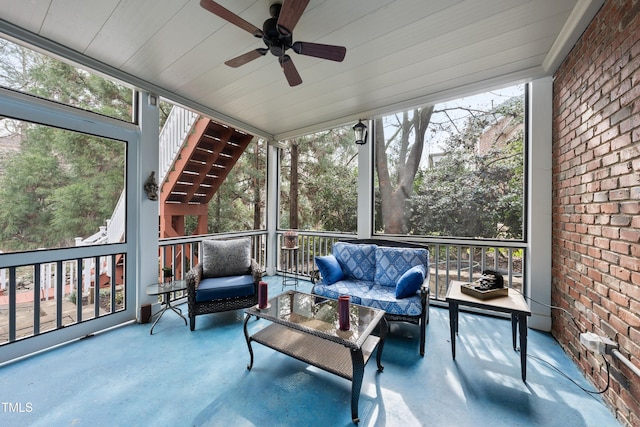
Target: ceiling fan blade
x=290, y=13
x=290, y=71
x=231, y=17
x=324, y=51
x=247, y=57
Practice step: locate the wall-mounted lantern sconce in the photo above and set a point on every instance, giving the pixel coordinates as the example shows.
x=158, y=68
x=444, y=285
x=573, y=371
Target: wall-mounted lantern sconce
x=151, y=187
x=360, y=129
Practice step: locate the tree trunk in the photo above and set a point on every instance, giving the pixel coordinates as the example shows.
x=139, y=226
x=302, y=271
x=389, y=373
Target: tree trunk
x=394, y=193
x=293, y=196
x=257, y=203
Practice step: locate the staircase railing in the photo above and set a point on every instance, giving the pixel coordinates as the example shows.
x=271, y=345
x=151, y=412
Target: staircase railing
x=174, y=132
x=172, y=136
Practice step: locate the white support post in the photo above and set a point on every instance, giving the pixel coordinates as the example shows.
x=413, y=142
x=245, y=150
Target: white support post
x=273, y=201
x=538, y=266
x=145, y=220
x=365, y=185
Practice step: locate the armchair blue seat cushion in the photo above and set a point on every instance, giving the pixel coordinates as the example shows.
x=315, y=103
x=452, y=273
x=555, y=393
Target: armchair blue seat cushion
x=215, y=288
x=222, y=258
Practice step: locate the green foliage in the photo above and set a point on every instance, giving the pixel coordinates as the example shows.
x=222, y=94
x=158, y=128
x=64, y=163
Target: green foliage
x=59, y=184
x=239, y=203
x=477, y=188
x=327, y=182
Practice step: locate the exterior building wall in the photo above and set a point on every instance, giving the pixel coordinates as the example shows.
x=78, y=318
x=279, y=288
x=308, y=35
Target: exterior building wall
x=596, y=200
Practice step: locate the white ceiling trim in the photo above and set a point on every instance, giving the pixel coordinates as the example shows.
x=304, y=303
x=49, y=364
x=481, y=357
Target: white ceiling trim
x=580, y=17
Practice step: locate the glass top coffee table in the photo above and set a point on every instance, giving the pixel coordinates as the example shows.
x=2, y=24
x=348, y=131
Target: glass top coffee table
x=305, y=327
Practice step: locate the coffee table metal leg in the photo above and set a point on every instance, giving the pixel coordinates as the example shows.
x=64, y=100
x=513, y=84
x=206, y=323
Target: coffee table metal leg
x=248, y=338
x=357, y=361
x=383, y=328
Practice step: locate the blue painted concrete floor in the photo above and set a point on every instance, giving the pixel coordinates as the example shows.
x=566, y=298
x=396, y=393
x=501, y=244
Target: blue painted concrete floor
x=126, y=377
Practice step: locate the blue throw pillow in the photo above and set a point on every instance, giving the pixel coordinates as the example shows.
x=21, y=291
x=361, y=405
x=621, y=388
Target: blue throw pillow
x=329, y=269
x=410, y=281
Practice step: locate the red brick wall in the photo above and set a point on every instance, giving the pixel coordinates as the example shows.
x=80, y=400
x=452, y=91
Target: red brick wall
x=596, y=199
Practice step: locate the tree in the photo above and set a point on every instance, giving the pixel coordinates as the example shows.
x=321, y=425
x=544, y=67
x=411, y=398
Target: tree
x=397, y=161
x=477, y=188
x=239, y=202
x=59, y=184
x=325, y=190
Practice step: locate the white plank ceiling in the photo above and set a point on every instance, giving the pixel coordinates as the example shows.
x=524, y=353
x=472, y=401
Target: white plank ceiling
x=400, y=53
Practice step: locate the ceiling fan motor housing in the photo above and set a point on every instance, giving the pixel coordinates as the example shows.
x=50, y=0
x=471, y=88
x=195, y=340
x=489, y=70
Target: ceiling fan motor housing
x=277, y=42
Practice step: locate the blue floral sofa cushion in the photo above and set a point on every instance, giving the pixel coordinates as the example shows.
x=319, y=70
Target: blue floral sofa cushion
x=357, y=261
x=384, y=298
x=353, y=287
x=392, y=263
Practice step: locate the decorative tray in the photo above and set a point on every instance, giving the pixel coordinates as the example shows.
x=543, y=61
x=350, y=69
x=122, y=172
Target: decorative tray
x=470, y=289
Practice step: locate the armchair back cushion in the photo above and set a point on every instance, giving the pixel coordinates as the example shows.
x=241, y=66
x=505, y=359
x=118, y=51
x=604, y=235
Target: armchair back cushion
x=358, y=261
x=221, y=258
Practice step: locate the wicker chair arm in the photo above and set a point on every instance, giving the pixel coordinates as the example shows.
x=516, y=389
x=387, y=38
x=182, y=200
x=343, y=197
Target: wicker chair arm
x=256, y=271
x=194, y=276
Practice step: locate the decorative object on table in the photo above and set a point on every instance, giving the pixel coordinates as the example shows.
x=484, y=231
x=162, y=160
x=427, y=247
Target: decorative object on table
x=343, y=313
x=489, y=285
x=263, y=295
x=151, y=187
x=290, y=239
x=167, y=274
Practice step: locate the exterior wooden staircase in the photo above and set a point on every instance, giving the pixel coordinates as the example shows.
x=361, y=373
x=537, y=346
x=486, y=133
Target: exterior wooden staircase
x=201, y=166
x=196, y=155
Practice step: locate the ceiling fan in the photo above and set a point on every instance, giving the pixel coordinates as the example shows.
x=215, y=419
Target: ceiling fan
x=277, y=35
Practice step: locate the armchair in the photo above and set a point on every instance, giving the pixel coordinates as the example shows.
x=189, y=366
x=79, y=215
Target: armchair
x=226, y=278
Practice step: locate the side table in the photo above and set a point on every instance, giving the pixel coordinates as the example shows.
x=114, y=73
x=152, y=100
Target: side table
x=165, y=289
x=513, y=304
x=290, y=267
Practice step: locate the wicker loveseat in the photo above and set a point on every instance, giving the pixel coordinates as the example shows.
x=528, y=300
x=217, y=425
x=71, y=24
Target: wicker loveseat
x=391, y=276
x=226, y=278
